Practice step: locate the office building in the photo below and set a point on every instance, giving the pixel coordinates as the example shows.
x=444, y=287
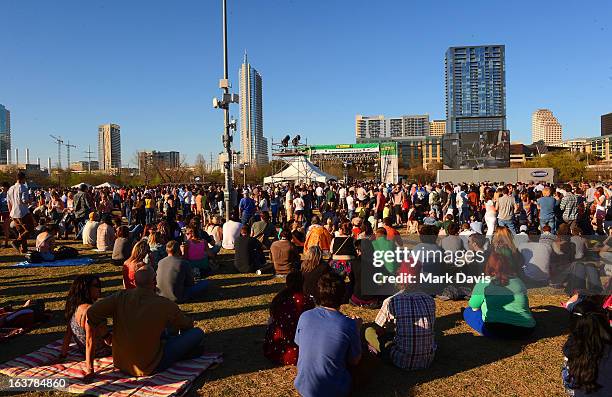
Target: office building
x=545, y=127
x=83, y=166
x=437, y=127
x=254, y=146
x=5, y=134
x=109, y=146
x=164, y=160
x=475, y=89
x=606, y=124
x=394, y=127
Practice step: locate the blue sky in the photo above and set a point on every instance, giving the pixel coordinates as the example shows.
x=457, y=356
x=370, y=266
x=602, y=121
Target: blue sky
x=153, y=66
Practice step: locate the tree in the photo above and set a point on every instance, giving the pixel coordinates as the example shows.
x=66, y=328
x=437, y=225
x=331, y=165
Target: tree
x=568, y=166
x=199, y=167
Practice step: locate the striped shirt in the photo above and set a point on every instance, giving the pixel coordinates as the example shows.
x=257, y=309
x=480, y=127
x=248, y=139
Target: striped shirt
x=414, y=314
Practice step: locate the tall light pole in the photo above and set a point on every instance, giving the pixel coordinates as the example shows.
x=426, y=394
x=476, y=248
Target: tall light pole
x=224, y=103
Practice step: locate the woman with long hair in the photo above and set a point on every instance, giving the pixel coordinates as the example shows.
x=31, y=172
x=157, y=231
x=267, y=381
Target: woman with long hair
x=84, y=291
x=134, y=262
x=196, y=252
x=503, y=244
x=343, y=250
x=499, y=306
x=588, y=351
x=285, y=310
x=312, y=269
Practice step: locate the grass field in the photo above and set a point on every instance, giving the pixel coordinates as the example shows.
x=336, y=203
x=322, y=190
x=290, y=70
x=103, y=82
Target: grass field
x=234, y=316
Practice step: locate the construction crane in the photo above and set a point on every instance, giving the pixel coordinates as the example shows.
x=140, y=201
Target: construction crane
x=59, y=142
x=68, y=146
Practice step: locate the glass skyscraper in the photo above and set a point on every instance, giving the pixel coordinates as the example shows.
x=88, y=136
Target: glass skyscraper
x=254, y=146
x=475, y=89
x=5, y=133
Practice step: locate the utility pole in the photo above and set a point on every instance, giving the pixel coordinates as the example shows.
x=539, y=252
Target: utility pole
x=89, y=153
x=224, y=103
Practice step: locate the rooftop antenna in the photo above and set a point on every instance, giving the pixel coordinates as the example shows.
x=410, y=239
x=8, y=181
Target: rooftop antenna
x=59, y=142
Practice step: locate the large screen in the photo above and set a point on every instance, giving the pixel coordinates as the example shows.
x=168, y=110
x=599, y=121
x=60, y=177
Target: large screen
x=468, y=150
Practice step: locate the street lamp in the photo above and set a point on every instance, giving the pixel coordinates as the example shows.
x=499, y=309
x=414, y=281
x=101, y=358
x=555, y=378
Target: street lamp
x=224, y=103
x=244, y=167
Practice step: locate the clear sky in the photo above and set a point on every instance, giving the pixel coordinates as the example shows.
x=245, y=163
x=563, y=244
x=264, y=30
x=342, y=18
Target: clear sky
x=153, y=66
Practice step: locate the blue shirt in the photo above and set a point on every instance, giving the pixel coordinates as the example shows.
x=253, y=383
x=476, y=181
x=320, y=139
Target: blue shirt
x=247, y=205
x=547, y=207
x=3, y=202
x=327, y=339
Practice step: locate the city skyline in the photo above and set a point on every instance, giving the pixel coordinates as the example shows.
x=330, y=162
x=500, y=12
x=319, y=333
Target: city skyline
x=53, y=81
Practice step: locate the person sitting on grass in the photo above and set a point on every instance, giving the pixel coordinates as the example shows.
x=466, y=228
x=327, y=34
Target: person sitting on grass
x=105, y=236
x=45, y=242
x=284, y=254
x=500, y=307
x=122, y=248
x=85, y=291
x=403, y=333
x=196, y=252
x=140, y=316
x=90, y=230
x=329, y=343
x=313, y=268
x=175, y=277
x=249, y=256
x=134, y=262
x=588, y=351
x=285, y=310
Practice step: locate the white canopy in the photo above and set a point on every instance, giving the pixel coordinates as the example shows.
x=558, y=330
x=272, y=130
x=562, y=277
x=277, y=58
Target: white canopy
x=106, y=184
x=300, y=169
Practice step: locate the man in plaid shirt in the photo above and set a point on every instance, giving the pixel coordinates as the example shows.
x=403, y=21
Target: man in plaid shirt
x=412, y=313
x=569, y=206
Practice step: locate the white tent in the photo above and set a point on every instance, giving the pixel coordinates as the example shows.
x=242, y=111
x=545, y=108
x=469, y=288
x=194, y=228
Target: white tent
x=106, y=184
x=300, y=169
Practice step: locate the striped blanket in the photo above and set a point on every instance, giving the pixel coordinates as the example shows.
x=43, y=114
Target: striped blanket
x=108, y=381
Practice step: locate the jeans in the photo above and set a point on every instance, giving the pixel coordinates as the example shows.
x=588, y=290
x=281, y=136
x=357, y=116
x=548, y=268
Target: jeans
x=128, y=215
x=473, y=318
x=197, y=290
x=149, y=215
x=220, y=207
x=509, y=223
x=550, y=222
x=180, y=347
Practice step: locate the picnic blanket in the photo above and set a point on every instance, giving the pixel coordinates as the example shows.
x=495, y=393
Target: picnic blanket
x=59, y=263
x=43, y=363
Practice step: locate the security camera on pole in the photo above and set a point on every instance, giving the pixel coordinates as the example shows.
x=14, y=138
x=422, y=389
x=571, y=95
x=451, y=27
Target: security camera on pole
x=224, y=103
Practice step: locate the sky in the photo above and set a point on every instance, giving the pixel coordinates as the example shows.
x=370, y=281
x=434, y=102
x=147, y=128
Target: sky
x=153, y=66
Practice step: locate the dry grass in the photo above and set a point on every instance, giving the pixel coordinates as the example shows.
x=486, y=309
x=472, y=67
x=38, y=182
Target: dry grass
x=235, y=313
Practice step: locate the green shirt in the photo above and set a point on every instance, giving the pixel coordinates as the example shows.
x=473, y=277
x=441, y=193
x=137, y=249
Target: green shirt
x=506, y=304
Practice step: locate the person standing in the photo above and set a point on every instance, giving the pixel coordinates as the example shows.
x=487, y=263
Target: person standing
x=18, y=199
x=546, y=206
x=5, y=218
x=82, y=208
x=506, y=207
x=569, y=207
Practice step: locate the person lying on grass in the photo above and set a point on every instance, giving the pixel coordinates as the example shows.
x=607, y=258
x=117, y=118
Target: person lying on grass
x=84, y=291
x=140, y=316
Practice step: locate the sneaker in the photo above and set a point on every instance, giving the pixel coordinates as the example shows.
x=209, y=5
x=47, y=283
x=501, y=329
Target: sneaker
x=258, y=272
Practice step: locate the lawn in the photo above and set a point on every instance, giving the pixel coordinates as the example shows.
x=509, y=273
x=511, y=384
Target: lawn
x=235, y=313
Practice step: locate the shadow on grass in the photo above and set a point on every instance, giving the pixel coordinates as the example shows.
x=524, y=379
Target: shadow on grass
x=242, y=353
x=240, y=291
x=217, y=313
x=461, y=352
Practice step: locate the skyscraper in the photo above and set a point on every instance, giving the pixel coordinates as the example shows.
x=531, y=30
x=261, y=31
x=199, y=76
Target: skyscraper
x=545, y=127
x=5, y=133
x=606, y=124
x=254, y=147
x=109, y=146
x=475, y=89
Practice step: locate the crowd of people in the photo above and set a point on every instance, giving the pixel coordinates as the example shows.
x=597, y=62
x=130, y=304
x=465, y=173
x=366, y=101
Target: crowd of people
x=322, y=238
